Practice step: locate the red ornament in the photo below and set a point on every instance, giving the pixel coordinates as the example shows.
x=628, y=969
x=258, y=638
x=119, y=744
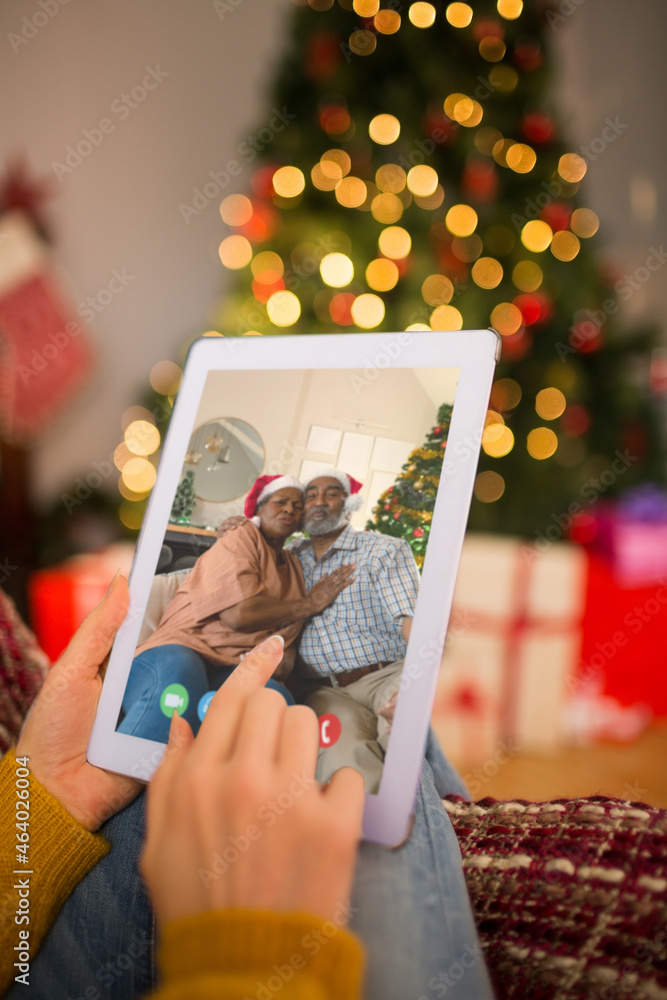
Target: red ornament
x=480, y=180
x=340, y=308
x=444, y=444
x=575, y=420
x=418, y=532
x=397, y=514
x=386, y=506
x=530, y=308
x=583, y=529
x=437, y=430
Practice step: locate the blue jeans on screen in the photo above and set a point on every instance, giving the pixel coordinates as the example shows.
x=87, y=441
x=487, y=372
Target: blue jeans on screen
x=410, y=907
x=153, y=670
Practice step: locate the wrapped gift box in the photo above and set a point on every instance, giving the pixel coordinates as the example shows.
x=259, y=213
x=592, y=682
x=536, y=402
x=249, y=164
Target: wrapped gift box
x=505, y=674
x=632, y=534
x=61, y=596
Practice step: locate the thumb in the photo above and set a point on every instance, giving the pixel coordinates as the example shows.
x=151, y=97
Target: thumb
x=94, y=637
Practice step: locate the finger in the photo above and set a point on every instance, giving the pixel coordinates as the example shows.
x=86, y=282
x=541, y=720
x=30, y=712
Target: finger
x=181, y=739
x=345, y=792
x=299, y=741
x=222, y=719
x=260, y=728
x=94, y=637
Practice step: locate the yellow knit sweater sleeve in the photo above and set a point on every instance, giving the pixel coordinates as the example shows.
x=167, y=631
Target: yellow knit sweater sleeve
x=252, y=955
x=35, y=882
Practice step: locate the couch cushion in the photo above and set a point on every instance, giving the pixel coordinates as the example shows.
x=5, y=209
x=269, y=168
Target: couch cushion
x=570, y=896
x=163, y=589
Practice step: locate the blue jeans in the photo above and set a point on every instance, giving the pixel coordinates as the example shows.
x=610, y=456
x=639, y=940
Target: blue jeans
x=410, y=907
x=153, y=670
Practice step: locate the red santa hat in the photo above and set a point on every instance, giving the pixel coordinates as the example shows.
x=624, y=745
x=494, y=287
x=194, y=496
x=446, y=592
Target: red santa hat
x=351, y=486
x=262, y=489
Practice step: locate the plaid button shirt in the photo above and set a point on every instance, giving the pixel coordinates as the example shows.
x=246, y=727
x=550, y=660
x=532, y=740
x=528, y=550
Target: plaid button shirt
x=363, y=625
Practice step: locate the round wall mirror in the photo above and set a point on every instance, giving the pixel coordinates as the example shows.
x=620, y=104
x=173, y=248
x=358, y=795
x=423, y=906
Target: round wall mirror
x=226, y=456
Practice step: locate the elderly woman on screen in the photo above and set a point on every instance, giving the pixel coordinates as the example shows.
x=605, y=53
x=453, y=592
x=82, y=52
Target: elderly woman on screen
x=245, y=588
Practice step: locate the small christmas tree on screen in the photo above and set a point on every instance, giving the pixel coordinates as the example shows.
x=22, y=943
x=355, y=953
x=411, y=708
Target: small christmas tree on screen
x=185, y=499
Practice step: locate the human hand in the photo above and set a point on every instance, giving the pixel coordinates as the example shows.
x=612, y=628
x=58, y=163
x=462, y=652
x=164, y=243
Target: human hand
x=56, y=733
x=328, y=587
x=215, y=793
x=229, y=524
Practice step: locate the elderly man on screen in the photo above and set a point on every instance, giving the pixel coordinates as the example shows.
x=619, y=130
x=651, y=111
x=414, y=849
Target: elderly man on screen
x=351, y=654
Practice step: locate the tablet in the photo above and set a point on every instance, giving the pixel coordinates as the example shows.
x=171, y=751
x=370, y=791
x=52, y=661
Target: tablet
x=384, y=431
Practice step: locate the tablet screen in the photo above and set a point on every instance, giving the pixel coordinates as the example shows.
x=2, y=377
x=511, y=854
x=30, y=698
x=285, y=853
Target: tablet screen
x=386, y=433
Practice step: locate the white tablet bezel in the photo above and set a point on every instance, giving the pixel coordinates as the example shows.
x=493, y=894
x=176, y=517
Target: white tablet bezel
x=474, y=353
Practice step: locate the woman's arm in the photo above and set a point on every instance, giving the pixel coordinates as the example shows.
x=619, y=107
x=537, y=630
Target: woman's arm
x=262, y=612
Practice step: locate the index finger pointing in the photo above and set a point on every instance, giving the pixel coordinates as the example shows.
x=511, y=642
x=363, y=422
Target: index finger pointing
x=224, y=713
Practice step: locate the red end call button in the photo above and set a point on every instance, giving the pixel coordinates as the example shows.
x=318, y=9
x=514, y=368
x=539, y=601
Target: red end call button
x=330, y=728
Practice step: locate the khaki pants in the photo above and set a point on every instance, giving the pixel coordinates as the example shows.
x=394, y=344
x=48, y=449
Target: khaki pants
x=364, y=735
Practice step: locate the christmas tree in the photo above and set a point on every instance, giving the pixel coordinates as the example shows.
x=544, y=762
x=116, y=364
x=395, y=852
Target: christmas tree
x=184, y=499
x=419, y=179
x=405, y=510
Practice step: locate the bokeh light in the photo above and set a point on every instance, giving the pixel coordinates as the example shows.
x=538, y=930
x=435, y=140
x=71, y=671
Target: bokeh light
x=422, y=15
x=267, y=267
x=467, y=248
x=288, y=182
x=366, y=8
x=138, y=474
x=510, y=9
x=384, y=129
x=572, y=167
x=505, y=394
x=236, y=210
x=492, y=48
x=391, y=178
x=459, y=15
x=550, y=403
x=487, y=272
x=433, y=201
x=337, y=270
x=542, y=443
x=395, y=242
x=446, y=318
x=165, y=378
x=235, y=252
x=368, y=310
x=382, y=274
x=326, y=175
x=437, y=290
x=283, y=308
x=363, y=43
x=422, y=180
x=536, y=235
x=142, y=437
x=527, y=276
x=339, y=157
x=351, y=192
x=386, y=208
x=584, y=222
x=461, y=220
x=489, y=486
x=506, y=318
x=521, y=158
x=387, y=22
x=497, y=440
x=565, y=245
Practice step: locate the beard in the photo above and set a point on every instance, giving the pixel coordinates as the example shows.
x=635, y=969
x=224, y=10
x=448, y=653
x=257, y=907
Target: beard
x=322, y=526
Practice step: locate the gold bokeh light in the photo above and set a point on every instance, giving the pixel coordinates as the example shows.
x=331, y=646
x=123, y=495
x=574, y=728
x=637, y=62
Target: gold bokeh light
x=433, y=201
x=422, y=15
x=236, y=210
x=288, y=182
x=138, y=475
x=165, y=377
x=368, y=310
x=422, y=180
x=142, y=438
x=572, y=167
x=337, y=270
x=326, y=175
x=390, y=178
x=489, y=486
x=382, y=274
x=338, y=156
x=446, y=318
x=506, y=318
x=497, y=440
x=384, y=129
x=487, y=272
x=565, y=245
x=386, y=208
x=267, y=267
x=505, y=394
x=387, y=22
x=283, y=308
x=235, y=252
x=437, y=290
x=527, y=276
x=510, y=9
x=492, y=48
x=521, y=158
x=459, y=15
x=461, y=220
x=395, y=242
x=351, y=192
x=584, y=222
x=536, y=235
x=550, y=403
x=366, y=8
x=542, y=443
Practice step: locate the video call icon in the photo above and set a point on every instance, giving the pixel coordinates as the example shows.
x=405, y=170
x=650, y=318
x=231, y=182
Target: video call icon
x=330, y=729
x=174, y=696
